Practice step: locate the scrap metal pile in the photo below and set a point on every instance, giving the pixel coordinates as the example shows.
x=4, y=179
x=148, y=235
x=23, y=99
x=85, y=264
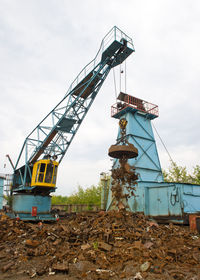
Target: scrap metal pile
x=106, y=245
x=124, y=177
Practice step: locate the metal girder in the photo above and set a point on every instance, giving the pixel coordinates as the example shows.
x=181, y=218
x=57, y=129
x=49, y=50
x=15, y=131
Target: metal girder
x=55, y=132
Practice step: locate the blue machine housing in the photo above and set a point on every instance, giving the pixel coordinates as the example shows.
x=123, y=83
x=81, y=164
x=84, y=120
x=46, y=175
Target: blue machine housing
x=153, y=196
x=166, y=201
x=23, y=204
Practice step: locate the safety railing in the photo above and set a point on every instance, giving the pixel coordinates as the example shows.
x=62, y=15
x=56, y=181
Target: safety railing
x=114, y=34
x=135, y=103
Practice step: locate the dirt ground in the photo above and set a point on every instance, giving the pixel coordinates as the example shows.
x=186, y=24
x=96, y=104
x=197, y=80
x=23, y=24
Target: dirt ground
x=105, y=245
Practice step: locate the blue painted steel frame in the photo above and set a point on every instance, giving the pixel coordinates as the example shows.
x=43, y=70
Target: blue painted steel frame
x=56, y=131
x=139, y=132
x=153, y=196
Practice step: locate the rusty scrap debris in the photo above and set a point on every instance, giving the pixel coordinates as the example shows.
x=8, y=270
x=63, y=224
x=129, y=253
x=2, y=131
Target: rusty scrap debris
x=105, y=245
x=124, y=177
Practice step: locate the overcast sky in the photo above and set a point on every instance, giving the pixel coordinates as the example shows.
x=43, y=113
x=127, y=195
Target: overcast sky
x=43, y=46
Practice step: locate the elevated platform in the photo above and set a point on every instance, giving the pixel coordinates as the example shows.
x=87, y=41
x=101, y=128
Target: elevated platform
x=127, y=103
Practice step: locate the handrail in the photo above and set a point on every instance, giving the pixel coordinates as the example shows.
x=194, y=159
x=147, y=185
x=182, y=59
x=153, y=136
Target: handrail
x=137, y=104
x=114, y=33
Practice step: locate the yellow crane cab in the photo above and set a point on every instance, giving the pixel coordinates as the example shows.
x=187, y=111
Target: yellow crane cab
x=44, y=173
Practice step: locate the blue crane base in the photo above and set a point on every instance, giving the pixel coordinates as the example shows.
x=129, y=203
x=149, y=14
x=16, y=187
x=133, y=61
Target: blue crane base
x=29, y=207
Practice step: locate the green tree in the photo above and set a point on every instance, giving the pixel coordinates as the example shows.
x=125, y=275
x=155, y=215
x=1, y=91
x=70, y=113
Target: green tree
x=180, y=174
x=195, y=177
x=59, y=200
x=89, y=196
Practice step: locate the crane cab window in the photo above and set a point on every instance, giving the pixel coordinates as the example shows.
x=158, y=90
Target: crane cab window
x=44, y=173
x=55, y=174
x=49, y=173
x=40, y=172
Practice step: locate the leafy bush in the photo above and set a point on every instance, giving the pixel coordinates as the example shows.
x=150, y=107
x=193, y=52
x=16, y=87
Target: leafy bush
x=180, y=174
x=89, y=196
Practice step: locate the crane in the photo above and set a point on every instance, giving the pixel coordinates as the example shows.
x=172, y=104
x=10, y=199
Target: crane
x=35, y=170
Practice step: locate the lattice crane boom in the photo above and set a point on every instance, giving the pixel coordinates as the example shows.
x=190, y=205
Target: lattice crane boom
x=54, y=134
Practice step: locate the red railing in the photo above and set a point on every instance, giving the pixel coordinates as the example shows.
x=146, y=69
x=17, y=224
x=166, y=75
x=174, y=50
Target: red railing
x=125, y=100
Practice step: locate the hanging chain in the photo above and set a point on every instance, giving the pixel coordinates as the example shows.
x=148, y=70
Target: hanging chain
x=122, y=124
